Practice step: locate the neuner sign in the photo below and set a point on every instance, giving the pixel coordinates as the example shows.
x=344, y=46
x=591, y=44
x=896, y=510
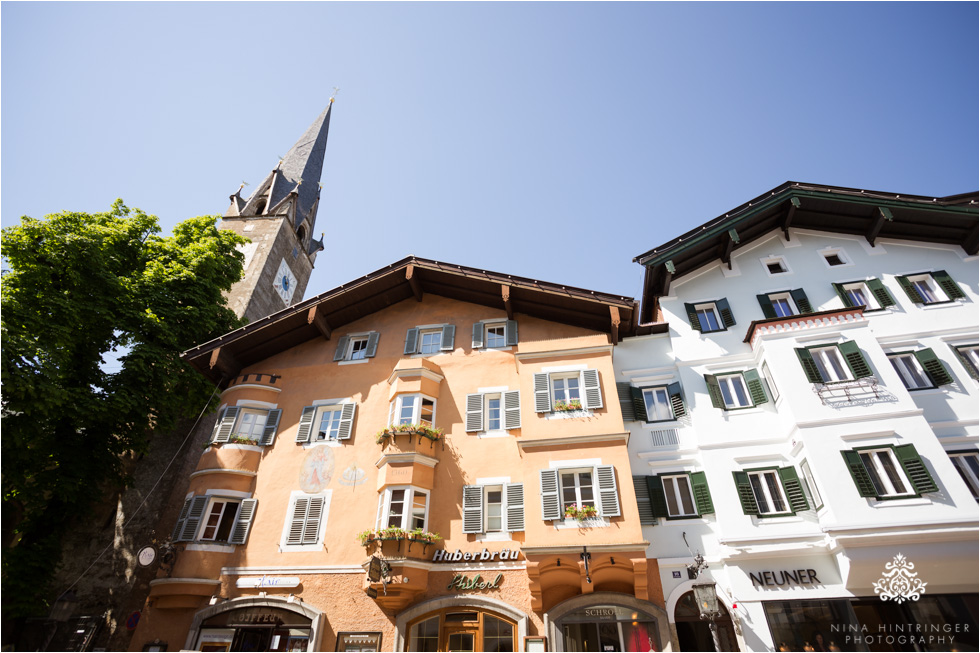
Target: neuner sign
x=474, y=556
x=784, y=577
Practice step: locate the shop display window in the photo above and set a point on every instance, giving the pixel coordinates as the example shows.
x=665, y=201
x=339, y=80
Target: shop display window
x=358, y=642
x=463, y=629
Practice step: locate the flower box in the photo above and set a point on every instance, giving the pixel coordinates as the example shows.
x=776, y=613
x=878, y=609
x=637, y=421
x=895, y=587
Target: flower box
x=565, y=406
x=385, y=435
x=581, y=513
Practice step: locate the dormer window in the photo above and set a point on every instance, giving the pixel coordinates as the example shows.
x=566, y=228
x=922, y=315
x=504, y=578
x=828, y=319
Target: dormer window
x=260, y=207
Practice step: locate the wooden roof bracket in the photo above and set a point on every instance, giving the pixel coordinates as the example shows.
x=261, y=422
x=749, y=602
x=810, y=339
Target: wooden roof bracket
x=668, y=275
x=614, y=324
x=884, y=213
x=223, y=361
x=794, y=203
x=505, y=296
x=730, y=242
x=970, y=242
x=317, y=319
x=413, y=281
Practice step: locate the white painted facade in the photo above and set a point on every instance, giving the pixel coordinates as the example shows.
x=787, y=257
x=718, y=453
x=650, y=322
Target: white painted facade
x=846, y=539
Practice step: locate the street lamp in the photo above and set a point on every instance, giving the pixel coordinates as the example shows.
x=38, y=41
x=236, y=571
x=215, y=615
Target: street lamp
x=708, y=606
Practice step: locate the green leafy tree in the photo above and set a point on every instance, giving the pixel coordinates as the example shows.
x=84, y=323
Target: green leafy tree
x=77, y=287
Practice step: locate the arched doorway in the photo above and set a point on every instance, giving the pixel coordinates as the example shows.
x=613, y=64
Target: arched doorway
x=606, y=621
x=461, y=623
x=255, y=624
x=694, y=634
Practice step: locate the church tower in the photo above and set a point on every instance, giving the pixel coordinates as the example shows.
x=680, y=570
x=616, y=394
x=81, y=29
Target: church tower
x=278, y=218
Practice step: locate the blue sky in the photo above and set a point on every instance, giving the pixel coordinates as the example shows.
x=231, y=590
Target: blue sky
x=555, y=141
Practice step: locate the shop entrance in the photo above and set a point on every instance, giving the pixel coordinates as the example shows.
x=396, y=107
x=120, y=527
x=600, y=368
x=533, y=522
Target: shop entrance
x=255, y=628
x=694, y=634
x=462, y=629
x=609, y=628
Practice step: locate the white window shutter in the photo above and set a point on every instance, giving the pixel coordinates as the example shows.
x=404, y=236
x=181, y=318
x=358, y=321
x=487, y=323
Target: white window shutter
x=271, y=427
x=217, y=424
x=593, y=393
x=243, y=523
x=478, y=330
x=346, y=421
x=542, y=393
x=227, y=424
x=608, y=496
x=512, y=409
x=514, y=495
x=175, y=536
x=472, y=508
x=448, y=337
x=311, y=530
x=306, y=424
x=550, y=504
x=341, y=348
x=474, y=413
x=194, y=515
x=297, y=520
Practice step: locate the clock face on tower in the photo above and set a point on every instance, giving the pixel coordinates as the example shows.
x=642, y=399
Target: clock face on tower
x=285, y=282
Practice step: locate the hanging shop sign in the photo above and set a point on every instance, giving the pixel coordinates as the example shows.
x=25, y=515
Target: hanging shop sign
x=267, y=581
x=475, y=556
x=784, y=578
x=461, y=582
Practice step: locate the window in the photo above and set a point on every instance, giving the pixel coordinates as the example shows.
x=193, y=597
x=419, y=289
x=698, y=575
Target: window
x=403, y=507
x=775, y=491
x=930, y=288
x=656, y=404
x=870, y=293
x=785, y=304
x=834, y=363
x=810, y=485
x=256, y=424
x=680, y=495
x=326, y=423
x=219, y=520
x=494, y=411
x=413, y=409
x=965, y=463
x=493, y=508
x=770, y=382
x=356, y=642
x=495, y=334
x=889, y=472
x=306, y=521
x=573, y=389
x=969, y=358
x=430, y=339
x=357, y=347
x=834, y=259
x=920, y=369
x=588, y=486
x=775, y=265
x=710, y=316
x=738, y=390
x=207, y=518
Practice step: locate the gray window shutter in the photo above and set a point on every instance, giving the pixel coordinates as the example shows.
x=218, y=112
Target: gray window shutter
x=448, y=337
x=802, y=303
x=510, y=333
x=542, y=393
x=243, y=523
x=658, y=500
x=412, y=341
x=271, y=427
x=346, y=421
x=372, y=344
x=298, y=520
x=643, y=504
x=341, y=348
x=306, y=424
x=676, y=399
x=474, y=413
x=794, y=489
x=714, y=392
x=839, y=289
x=766, y=304
x=608, y=495
x=950, y=287
x=625, y=394
x=809, y=367
x=726, y=312
x=593, y=393
x=745, y=495
x=193, y=520
x=964, y=361
x=702, y=496
x=179, y=527
x=859, y=474
x=756, y=390
x=692, y=316
x=915, y=469
x=227, y=424
x=855, y=359
x=910, y=290
x=550, y=504
x=880, y=292
x=472, y=508
x=311, y=530
x=478, y=333
x=514, y=494
x=933, y=367
x=512, y=409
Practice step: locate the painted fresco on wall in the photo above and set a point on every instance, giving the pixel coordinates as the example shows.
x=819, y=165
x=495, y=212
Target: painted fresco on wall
x=317, y=470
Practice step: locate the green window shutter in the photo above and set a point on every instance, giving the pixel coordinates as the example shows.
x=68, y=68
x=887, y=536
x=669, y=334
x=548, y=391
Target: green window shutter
x=859, y=474
x=745, y=495
x=412, y=341
x=915, y=469
x=472, y=508
x=933, y=367
x=514, y=495
x=950, y=287
x=766, y=304
x=839, y=289
x=243, y=523
x=510, y=333
x=448, y=337
x=726, y=312
x=714, y=391
x=346, y=421
x=550, y=503
x=880, y=292
x=227, y=424
x=639, y=404
x=692, y=316
x=194, y=516
x=625, y=393
x=372, y=344
x=512, y=409
x=591, y=389
x=855, y=359
x=305, y=424
x=794, y=489
x=910, y=290
x=676, y=400
x=802, y=302
x=474, y=413
x=608, y=495
x=756, y=389
x=179, y=526
x=964, y=362
x=643, y=505
x=658, y=500
x=478, y=333
x=271, y=427
x=809, y=367
x=341, y=348
x=702, y=496
x=542, y=393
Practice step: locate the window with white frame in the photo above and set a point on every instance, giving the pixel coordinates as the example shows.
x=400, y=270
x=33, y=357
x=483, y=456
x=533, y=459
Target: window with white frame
x=251, y=423
x=215, y=519
x=404, y=507
x=968, y=355
x=830, y=364
x=775, y=265
x=219, y=519
x=657, y=403
x=577, y=488
x=244, y=423
x=494, y=334
x=770, y=382
x=885, y=472
x=678, y=494
x=707, y=315
x=651, y=404
x=493, y=411
x=870, y=293
x=811, y=485
x=930, y=287
x=965, y=463
x=566, y=388
x=834, y=257
x=356, y=347
x=306, y=521
x=413, y=409
x=834, y=363
x=910, y=371
x=430, y=339
x=493, y=507
x=736, y=390
x=562, y=390
x=891, y=471
x=784, y=304
x=768, y=492
x=581, y=487
x=733, y=391
x=327, y=422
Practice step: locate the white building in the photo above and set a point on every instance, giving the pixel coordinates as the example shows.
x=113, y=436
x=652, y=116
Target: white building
x=805, y=405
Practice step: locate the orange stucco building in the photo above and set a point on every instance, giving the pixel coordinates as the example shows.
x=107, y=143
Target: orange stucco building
x=431, y=457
